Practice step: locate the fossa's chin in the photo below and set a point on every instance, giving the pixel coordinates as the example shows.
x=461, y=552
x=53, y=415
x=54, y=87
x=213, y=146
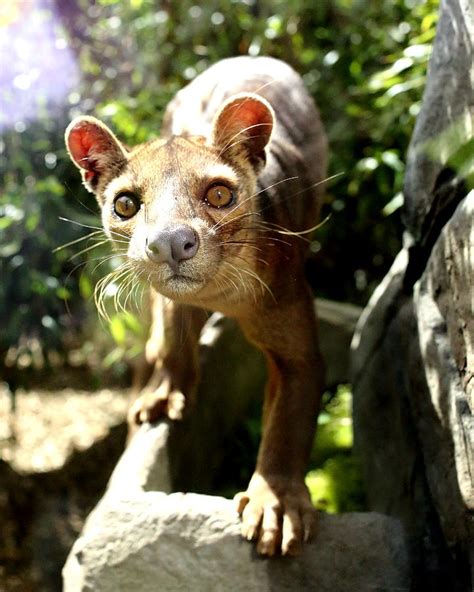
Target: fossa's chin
x=177, y=285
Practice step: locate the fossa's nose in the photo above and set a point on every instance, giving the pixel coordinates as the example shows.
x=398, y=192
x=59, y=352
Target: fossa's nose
x=172, y=245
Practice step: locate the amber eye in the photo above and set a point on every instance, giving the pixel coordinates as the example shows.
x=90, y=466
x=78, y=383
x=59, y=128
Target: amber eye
x=126, y=205
x=219, y=196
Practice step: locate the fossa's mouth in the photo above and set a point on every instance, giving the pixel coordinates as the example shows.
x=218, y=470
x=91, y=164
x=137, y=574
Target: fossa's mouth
x=176, y=277
x=174, y=285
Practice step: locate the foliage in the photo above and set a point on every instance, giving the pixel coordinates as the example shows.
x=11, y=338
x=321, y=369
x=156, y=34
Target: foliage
x=337, y=486
x=33, y=290
x=335, y=482
x=364, y=62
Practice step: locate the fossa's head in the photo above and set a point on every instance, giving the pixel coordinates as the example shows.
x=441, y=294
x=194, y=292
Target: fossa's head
x=183, y=205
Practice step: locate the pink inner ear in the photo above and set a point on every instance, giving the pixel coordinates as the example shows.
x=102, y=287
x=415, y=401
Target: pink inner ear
x=254, y=113
x=85, y=139
x=246, y=115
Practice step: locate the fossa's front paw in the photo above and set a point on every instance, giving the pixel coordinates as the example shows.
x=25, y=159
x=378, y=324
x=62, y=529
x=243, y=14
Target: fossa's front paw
x=277, y=513
x=163, y=401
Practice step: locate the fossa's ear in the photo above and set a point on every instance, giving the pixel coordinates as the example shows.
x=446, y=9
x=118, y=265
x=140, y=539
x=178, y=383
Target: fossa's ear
x=94, y=149
x=244, y=122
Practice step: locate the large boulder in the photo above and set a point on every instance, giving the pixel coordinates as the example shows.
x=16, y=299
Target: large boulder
x=413, y=412
x=413, y=350
x=445, y=122
x=142, y=540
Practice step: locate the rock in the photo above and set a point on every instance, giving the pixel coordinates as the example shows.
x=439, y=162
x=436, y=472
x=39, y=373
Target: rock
x=412, y=352
x=387, y=445
x=192, y=542
x=443, y=303
x=337, y=321
x=51, y=483
x=413, y=407
x=138, y=538
x=449, y=282
x=445, y=122
x=378, y=313
x=146, y=541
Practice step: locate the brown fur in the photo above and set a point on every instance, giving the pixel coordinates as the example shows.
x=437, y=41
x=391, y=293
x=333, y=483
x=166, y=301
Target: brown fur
x=249, y=263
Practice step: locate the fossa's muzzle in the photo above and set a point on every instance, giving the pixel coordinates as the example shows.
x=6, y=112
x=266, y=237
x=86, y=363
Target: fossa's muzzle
x=172, y=245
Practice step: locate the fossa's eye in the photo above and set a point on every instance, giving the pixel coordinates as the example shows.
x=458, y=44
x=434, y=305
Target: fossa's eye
x=219, y=196
x=126, y=205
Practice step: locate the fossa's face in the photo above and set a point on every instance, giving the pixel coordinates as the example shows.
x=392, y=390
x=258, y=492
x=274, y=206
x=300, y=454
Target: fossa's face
x=180, y=206
x=182, y=209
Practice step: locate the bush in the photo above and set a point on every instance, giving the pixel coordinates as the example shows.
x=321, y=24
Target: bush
x=364, y=62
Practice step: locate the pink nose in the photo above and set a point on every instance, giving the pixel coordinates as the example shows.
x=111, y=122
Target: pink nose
x=172, y=245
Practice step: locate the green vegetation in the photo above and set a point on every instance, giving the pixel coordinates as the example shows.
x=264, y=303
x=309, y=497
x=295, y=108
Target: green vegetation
x=335, y=484
x=364, y=62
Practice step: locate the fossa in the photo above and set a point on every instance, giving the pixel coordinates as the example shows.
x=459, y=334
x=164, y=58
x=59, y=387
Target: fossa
x=209, y=215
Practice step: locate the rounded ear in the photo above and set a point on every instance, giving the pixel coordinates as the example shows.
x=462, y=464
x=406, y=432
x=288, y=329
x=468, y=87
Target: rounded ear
x=245, y=121
x=94, y=149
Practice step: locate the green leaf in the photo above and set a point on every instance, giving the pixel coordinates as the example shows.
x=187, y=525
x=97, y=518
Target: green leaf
x=85, y=286
x=118, y=329
x=393, y=205
x=5, y=222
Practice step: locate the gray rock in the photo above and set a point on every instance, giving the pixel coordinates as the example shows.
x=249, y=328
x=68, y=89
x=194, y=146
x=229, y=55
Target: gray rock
x=146, y=541
x=42, y=513
x=381, y=308
x=192, y=542
x=412, y=353
x=139, y=538
x=413, y=407
x=337, y=321
x=449, y=281
x=444, y=306
x=446, y=121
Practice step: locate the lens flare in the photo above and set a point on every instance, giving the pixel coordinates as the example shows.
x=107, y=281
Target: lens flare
x=38, y=69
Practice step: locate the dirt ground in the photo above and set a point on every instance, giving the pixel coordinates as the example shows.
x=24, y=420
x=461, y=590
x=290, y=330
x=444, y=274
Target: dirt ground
x=57, y=450
x=47, y=426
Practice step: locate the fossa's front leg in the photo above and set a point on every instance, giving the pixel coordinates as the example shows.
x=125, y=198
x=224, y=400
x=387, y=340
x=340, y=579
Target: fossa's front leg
x=276, y=509
x=172, y=349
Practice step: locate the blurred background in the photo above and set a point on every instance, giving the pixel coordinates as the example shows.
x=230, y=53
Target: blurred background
x=364, y=62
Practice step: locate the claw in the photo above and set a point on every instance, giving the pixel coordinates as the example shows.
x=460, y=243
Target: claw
x=241, y=500
x=277, y=513
x=162, y=402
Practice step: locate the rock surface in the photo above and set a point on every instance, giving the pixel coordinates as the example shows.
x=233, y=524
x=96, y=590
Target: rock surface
x=445, y=122
x=138, y=540
x=412, y=415
x=412, y=362
x=192, y=542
